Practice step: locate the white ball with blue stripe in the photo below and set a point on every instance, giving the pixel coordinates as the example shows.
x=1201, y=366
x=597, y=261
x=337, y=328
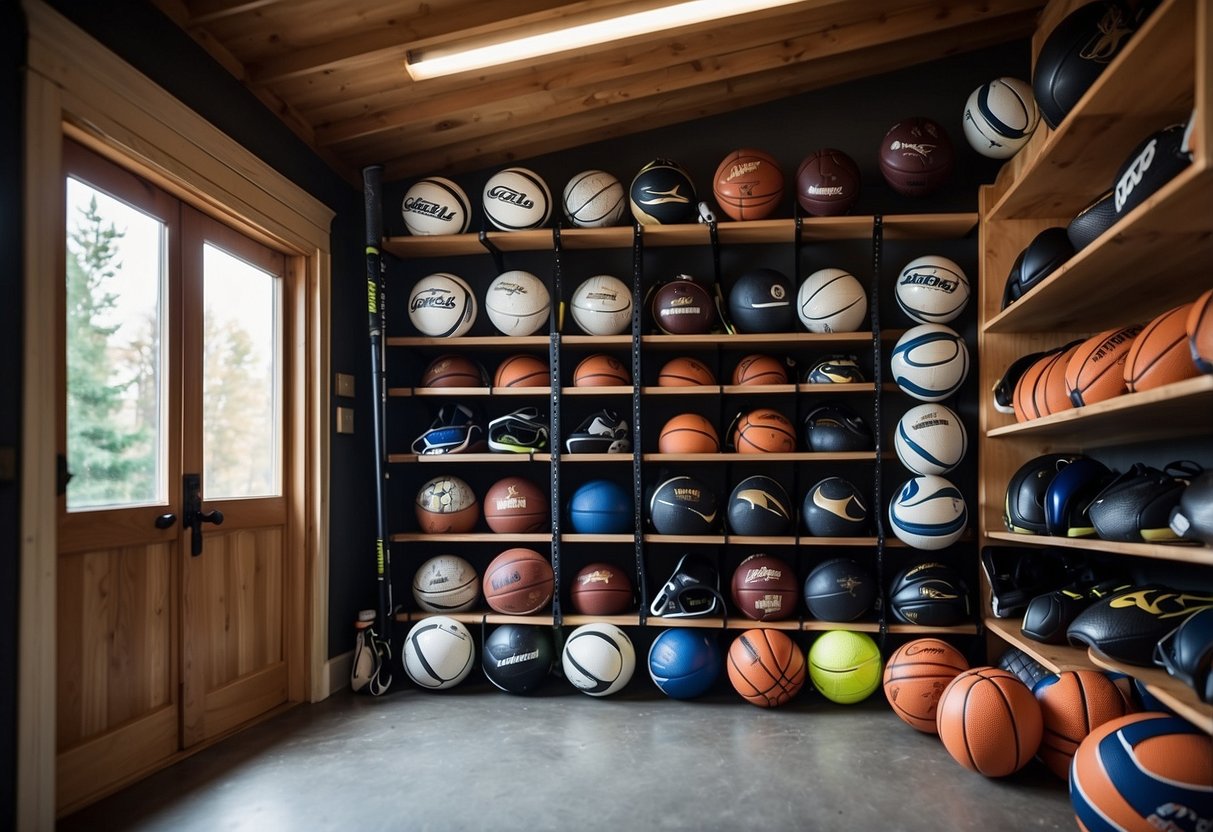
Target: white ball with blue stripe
x=930, y=362
x=1000, y=117
x=928, y=513
x=930, y=439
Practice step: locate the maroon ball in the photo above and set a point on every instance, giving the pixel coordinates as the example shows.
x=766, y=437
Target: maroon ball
x=916, y=156
x=683, y=307
x=765, y=588
x=827, y=183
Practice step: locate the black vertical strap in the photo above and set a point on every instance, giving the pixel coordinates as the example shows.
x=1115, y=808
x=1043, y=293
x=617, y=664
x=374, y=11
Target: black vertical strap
x=877, y=430
x=797, y=521
x=637, y=471
x=554, y=434
x=715, y=238
x=492, y=249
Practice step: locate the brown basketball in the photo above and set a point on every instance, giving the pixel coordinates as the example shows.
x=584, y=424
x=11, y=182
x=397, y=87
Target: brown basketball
x=916, y=156
x=454, y=371
x=765, y=588
x=601, y=589
x=760, y=369
x=685, y=372
x=446, y=505
x=764, y=431
x=915, y=677
x=1200, y=332
x=683, y=307
x=989, y=721
x=600, y=370
x=1159, y=354
x=766, y=667
x=518, y=582
x=1024, y=398
x=1096, y=370
x=827, y=183
x=1051, y=394
x=688, y=433
x=1072, y=705
x=522, y=371
x=748, y=184
x=516, y=506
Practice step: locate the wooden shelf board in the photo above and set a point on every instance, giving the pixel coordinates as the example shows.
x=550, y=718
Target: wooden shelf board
x=686, y=539
x=915, y=629
x=471, y=537
x=469, y=458
x=482, y=617
x=753, y=540
x=622, y=620
x=596, y=340
x=1137, y=93
x=461, y=392
x=929, y=226
x=591, y=238
x=1053, y=656
x=700, y=390
x=613, y=390
x=831, y=389
x=795, y=456
x=596, y=538
x=758, y=389
x=767, y=339
x=579, y=458
x=465, y=341
x=1173, y=693
x=1184, y=553
x=521, y=391
x=1179, y=409
x=1169, y=234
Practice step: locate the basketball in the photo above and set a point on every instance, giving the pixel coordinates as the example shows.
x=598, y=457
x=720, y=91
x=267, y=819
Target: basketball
x=688, y=433
x=598, y=659
x=1074, y=703
x=601, y=589
x=748, y=184
x=1075, y=53
x=928, y=513
x=685, y=372
x=683, y=307
x=517, y=303
x=761, y=301
x=835, y=428
x=839, y=589
x=684, y=663
x=518, y=582
x=845, y=666
x=1051, y=395
x=683, y=505
x=930, y=362
x=1023, y=398
x=1159, y=354
x=932, y=289
x=766, y=667
x=516, y=506
x=599, y=370
x=827, y=183
x=454, y=371
x=916, y=156
x=764, y=431
x=759, y=506
x=1143, y=772
x=765, y=588
x=662, y=194
x=435, y=205
x=1000, y=117
x=523, y=371
x=835, y=369
x=446, y=505
x=446, y=583
x=914, y=679
x=442, y=306
x=517, y=658
x=602, y=305
x=438, y=653
x=601, y=507
x=1096, y=370
x=834, y=507
x=593, y=199
x=989, y=721
x=1199, y=327
x=929, y=594
x=516, y=199
x=831, y=300
x=760, y=369
x=930, y=439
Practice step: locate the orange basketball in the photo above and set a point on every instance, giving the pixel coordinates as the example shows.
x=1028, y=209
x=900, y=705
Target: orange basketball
x=989, y=721
x=685, y=372
x=766, y=667
x=1096, y=370
x=760, y=369
x=516, y=506
x=915, y=677
x=518, y=582
x=454, y=371
x=1024, y=398
x=1160, y=354
x=688, y=433
x=522, y=371
x=764, y=431
x=1074, y=703
x=1051, y=394
x=600, y=370
x=748, y=184
x=1200, y=332
x=601, y=589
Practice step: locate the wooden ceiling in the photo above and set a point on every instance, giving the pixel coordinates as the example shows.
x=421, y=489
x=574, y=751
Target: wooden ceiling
x=333, y=70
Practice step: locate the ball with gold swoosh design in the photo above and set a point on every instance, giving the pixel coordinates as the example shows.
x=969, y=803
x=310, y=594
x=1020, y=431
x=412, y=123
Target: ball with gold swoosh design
x=834, y=507
x=683, y=505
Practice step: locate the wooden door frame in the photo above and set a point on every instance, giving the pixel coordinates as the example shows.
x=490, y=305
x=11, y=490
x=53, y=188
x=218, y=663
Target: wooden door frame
x=75, y=86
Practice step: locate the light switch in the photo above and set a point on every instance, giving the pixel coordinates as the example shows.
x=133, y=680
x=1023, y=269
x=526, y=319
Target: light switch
x=345, y=420
x=344, y=386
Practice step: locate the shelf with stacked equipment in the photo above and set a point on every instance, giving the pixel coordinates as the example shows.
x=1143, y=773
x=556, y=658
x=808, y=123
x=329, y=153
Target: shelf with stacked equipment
x=1096, y=389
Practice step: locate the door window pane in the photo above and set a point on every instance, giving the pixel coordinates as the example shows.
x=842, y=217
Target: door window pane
x=116, y=270
x=241, y=402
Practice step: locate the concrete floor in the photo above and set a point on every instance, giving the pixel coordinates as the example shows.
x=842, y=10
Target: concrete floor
x=474, y=758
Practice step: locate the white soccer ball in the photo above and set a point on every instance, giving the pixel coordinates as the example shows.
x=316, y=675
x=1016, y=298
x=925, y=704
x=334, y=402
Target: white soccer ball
x=831, y=300
x=932, y=289
x=442, y=305
x=930, y=439
x=516, y=199
x=1000, y=117
x=598, y=659
x=517, y=303
x=929, y=362
x=928, y=513
x=438, y=653
x=435, y=205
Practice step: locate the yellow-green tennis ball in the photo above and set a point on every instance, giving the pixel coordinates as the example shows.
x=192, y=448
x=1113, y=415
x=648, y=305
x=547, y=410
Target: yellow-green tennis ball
x=845, y=666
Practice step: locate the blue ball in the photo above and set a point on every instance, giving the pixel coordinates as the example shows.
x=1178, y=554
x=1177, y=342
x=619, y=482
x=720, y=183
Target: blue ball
x=684, y=663
x=601, y=507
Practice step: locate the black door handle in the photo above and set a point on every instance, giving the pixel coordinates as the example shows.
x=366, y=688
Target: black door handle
x=192, y=514
x=166, y=521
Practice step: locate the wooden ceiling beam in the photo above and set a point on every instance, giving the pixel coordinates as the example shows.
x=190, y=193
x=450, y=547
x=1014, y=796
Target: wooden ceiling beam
x=203, y=12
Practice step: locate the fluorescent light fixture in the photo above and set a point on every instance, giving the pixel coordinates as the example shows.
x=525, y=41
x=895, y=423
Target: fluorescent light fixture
x=502, y=48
